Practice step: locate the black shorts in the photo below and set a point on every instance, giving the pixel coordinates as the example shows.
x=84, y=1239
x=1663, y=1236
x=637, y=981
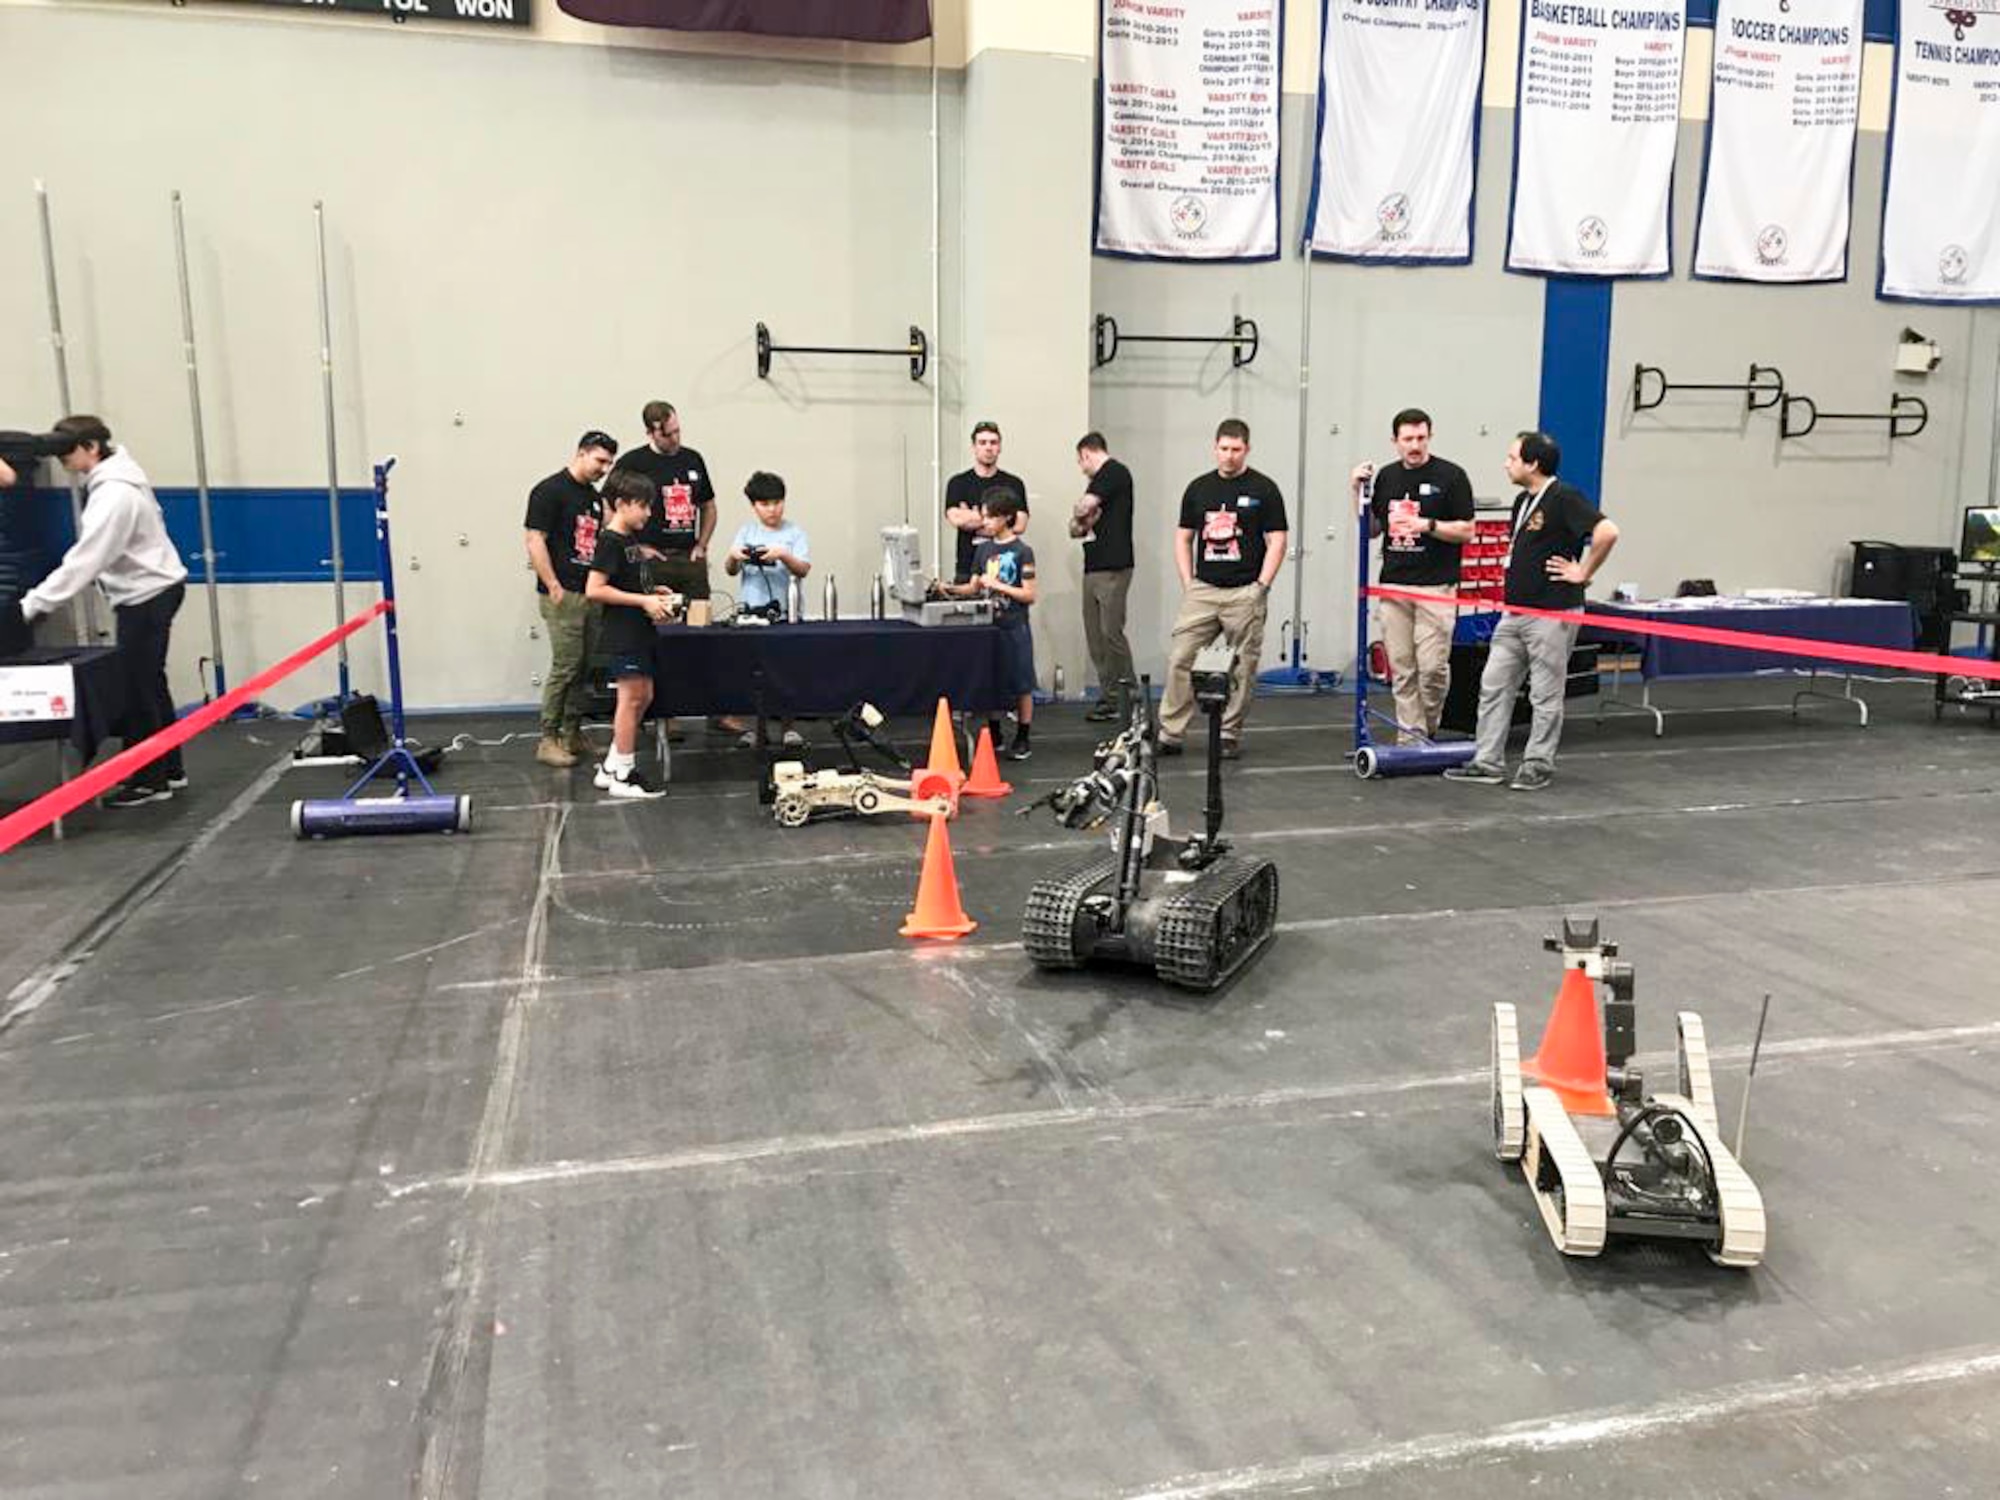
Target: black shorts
x=627, y=664
x=1017, y=656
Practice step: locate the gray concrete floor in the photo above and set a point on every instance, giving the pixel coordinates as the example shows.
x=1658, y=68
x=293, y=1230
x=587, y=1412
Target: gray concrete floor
x=627, y=1151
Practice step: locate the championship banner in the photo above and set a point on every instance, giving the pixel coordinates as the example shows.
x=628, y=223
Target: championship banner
x=1786, y=101
x=1941, y=213
x=1187, y=152
x=1597, y=119
x=1398, y=132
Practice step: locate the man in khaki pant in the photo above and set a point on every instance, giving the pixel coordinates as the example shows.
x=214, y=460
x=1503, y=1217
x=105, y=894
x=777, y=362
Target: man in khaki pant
x=1228, y=547
x=564, y=513
x=1421, y=507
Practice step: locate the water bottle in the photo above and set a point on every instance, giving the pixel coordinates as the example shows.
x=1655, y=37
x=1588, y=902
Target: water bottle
x=830, y=600
x=795, y=601
x=1059, y=682
x=878, y=602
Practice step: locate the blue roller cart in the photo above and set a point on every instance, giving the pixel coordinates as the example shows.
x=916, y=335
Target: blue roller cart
x=1431, y=758
x=408, y=811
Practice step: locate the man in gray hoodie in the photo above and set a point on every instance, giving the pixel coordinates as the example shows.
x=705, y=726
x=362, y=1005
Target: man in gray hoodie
x=124, y=549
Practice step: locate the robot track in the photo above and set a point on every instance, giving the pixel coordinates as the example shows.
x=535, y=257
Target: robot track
x=1216, y=925
x=1049, y=922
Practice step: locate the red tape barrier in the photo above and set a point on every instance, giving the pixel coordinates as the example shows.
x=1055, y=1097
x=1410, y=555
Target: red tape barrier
x=71, y=795
x=1925, y=662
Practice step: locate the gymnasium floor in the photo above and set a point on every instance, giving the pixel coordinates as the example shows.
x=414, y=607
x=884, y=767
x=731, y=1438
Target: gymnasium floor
x=626, y=1151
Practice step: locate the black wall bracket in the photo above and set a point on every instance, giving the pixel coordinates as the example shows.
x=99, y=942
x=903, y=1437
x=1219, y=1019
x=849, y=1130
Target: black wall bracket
x=917, y=351
x=1242, y=339
x=1902, y=410
x=1765, y=380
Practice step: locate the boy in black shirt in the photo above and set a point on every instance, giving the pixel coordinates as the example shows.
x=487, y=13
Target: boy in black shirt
x=617, y=582
x=1003, y=567
x=1422, y=509
x=1103, y=520
x=964, y=494
x=1228, y=548
x=1552, y=524
x=563, y=517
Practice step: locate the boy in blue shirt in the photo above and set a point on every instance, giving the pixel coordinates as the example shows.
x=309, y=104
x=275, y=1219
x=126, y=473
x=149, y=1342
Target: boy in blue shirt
x=768, y=553
x=1003, y=568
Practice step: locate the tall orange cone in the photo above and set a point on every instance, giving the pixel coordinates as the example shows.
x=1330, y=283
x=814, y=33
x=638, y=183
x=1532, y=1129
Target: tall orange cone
x=944, y=745
x=985, y=780
x=1571, y=1058
x=938, y=913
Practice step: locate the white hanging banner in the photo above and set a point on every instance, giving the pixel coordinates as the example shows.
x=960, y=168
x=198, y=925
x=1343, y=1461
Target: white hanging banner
x=1597, y=117
x=1398, y=131
x=1786, y=101
x=1941, y=214
x=1187, y=156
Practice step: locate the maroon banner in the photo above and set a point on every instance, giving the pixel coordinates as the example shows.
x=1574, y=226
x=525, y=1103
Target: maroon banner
x=842, y=20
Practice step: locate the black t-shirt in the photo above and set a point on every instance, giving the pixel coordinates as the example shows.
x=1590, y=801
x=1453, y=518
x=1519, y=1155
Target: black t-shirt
x=566, y=511
x=627, y=629
x=1229, y=519
x=968, y=489
x=1437, y=491
x=1558, y=525
x=1007, y=560
x=1111, y=552
x=684, y=487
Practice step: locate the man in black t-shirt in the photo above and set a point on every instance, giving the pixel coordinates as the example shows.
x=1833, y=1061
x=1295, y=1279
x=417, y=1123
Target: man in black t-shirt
x=1422, y=509
x=1552, y=526
x=684, y=508
x=1228, y=548
x=563, y=518
x=965, y=492
x=1103, y=519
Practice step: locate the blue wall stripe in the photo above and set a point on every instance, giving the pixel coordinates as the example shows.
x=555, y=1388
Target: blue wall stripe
x=1576, y=375
x=261, y=536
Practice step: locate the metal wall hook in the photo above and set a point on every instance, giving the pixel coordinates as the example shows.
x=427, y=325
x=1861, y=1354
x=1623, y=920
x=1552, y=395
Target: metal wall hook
x=1242, y=339
x=1902, y=409
x=1764, y=380
x=917, y=351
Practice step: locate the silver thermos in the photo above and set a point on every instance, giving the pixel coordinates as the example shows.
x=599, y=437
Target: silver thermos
x=829, y=600
x=878, y=600
x=1059, y=682
x=795, y=600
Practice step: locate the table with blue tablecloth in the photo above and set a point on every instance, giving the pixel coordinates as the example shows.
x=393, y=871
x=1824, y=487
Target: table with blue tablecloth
x=826, y=667
x=1857, y=622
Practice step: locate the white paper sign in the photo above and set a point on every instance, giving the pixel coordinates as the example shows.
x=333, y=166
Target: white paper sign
x=1787, y=96
x=1597, y=117
x=37, y=694
x=1187, y=165
x=1399, y=106
x=1941, y=216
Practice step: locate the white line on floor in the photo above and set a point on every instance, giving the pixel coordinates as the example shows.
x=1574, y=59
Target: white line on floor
x=1573, y=1431
x=793, y=1147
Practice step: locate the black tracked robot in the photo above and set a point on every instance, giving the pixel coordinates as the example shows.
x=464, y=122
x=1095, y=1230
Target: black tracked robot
x=1187, y=909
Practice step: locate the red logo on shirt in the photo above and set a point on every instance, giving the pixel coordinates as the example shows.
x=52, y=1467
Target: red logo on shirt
x=1221, y=537
x=677, y=507
x=586, y=538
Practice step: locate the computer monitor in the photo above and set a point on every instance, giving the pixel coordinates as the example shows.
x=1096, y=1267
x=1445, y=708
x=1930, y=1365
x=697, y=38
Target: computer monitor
x=1979, y=544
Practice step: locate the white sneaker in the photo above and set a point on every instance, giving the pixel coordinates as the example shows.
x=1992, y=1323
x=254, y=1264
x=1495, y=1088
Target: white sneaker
x=794, y=740
x=602, y=779
x=747, y=740
x=634, y=785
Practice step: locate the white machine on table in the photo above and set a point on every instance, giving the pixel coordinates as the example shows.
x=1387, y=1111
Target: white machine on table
x=907, y=590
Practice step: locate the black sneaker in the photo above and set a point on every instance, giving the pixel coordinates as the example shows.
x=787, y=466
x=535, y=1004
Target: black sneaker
x=133, y=795
x=1232, y=749
x=177, y=781
x=1103, y=712
x=1022, y=749
x=635, y=785
x=1170, y=747
x=1531, y=778
x=1475, y=773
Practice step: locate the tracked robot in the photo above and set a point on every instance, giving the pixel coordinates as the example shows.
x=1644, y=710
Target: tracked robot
x=1602, y=1156
x=1188, y=909
x=797, y=795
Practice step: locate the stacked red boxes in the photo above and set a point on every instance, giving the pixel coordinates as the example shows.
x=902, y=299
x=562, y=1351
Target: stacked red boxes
x=1482, y=572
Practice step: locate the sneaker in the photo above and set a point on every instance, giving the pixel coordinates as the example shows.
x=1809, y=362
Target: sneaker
x=747, y=740
x=1021, y=749
x=1232, y=749
x=1477, y=774
x=177, y=781
x=603, y=778
x=634, y=784
x=794, y=740
x=133, y=795
x=1170, y=747
x=1102, y=713
x=550, y=752
x=1531, y=778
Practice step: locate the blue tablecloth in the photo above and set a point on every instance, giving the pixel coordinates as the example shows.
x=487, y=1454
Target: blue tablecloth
x=1857, y=622
x=100, y=697
x=826, y=667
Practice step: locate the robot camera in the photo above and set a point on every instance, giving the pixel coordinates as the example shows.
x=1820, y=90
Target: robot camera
x=1211, y=674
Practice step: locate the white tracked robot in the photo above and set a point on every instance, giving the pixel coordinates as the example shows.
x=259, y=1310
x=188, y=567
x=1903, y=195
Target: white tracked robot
x=1601, y=1155
x=797, y=794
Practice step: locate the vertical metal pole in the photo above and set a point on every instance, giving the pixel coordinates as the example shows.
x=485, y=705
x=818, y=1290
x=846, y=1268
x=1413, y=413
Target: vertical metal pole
x=1305, y=428
x=937, y=315
x=86, y=603
x=332, y=449
x=384, y=560
x=200, y=449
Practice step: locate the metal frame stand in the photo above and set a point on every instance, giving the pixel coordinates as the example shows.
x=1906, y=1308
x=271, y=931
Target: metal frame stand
x=345, y=690
x=84, y=609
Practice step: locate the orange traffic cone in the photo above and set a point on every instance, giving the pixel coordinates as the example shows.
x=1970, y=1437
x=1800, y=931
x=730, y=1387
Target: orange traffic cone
x=985, y=781
x=938, y=914
x=1571, y=1058
x=944, y=745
